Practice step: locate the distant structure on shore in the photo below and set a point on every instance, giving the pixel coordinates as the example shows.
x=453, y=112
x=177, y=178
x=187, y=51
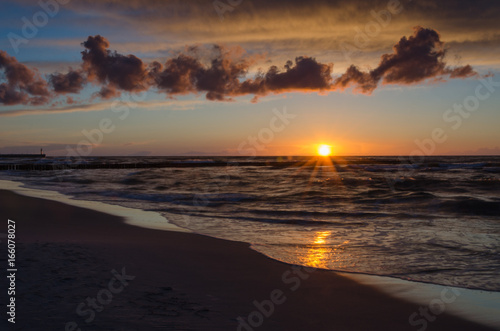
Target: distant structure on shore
x=41, y=155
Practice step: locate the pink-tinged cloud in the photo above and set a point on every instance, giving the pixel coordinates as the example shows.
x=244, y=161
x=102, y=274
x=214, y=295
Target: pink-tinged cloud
x=23, y=85
x=306, y=74
x=415, y=59
x=113, y=70
x=71, y=82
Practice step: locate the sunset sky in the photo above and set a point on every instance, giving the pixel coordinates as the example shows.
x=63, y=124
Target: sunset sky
x=232, y=77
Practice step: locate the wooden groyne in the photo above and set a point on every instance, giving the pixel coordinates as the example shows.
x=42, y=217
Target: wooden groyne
x=59, y=166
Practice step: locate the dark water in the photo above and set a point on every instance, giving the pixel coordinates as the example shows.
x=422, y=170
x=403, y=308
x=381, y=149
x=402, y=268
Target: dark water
x=436, y=220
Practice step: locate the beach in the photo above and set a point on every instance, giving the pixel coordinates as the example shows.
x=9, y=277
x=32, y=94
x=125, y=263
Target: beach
x=249, y=165
x=82, y=269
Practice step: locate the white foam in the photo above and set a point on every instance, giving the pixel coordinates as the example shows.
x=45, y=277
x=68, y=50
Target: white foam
x=482, y=307
x=136, y=217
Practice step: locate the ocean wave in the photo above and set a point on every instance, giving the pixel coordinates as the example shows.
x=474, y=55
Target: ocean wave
x=470, y=206
x=132, y=181
x=432, y=222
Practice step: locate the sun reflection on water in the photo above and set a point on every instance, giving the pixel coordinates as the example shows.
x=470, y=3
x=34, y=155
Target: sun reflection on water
x=321, y=236
x=320, y=254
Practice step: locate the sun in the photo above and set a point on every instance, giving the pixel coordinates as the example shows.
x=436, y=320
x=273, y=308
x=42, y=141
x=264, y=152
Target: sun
x=324, y=150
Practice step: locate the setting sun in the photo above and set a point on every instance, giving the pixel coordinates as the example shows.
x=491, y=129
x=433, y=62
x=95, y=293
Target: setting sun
x=324, y=150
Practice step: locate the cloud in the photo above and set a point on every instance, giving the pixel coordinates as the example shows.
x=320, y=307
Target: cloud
x=71, y=82
x=305, y=75
x=417, y=58
x=118, y=72
x=316, y=28
x=224, y=76
x=283, y=28
x=186, y=73
x=414, y=59
x=177, y=76
x=72, y=107
x=361, y=81
x=220, y=72
x=23, y=85
x=221, y=77
x=107, y=92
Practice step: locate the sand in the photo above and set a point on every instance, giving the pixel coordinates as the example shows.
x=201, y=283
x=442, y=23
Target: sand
x=79, y=268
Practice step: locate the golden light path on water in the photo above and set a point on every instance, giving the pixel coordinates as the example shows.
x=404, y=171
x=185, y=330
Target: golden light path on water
x=323, y=255
x=324, y=252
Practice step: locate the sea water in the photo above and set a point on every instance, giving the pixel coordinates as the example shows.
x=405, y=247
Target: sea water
x=435, y=221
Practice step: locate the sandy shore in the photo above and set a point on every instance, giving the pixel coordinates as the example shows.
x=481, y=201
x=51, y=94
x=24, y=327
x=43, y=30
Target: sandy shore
x=78, y=268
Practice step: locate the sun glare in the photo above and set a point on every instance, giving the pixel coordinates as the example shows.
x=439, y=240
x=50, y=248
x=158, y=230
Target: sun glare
x=324, y=150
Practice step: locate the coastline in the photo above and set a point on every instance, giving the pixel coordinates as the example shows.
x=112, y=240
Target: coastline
x=137, y=217
x=219, y=279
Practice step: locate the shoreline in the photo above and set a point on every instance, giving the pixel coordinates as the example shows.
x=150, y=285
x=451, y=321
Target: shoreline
x=377, y=284
x=137, y=217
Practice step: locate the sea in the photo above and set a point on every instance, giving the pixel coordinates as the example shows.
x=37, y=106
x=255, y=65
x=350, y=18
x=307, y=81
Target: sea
x=433, y=220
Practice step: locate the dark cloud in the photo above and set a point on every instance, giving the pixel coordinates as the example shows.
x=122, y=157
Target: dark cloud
x=23, y=85
x=305, y=75
x=125, y=72
x=461, y=72
x=363, y=82
x=220, y=79
x=177, y=76
x=10, y=96
x=223, y=77
x=71, y=82
x=220, y=72
x=415, y=59
x=108, y=92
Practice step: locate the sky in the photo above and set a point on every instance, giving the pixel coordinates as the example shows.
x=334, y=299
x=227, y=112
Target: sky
x=249, y=77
